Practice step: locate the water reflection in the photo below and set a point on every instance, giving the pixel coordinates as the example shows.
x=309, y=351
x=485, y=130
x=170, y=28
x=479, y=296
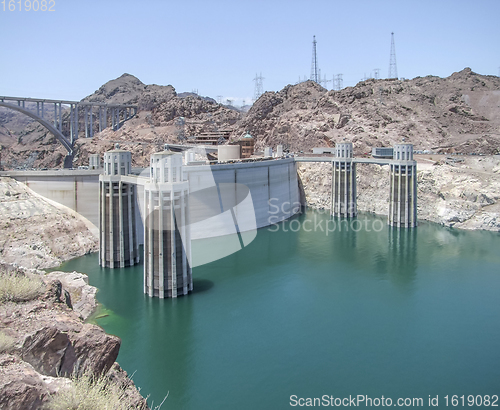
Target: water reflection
x=170, y=333
x=403, y=256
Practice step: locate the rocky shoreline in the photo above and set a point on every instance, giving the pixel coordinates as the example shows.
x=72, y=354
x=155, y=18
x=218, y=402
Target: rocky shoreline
x=44, y=340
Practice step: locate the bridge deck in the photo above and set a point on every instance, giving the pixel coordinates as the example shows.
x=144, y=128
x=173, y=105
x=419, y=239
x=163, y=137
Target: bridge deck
x=356, y=160
x=66, y=102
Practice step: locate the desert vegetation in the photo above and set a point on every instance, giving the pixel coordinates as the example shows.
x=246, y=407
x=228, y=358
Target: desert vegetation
x=15, y=286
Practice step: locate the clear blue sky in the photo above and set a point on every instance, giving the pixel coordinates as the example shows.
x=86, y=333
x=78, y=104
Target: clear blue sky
x=217, y=46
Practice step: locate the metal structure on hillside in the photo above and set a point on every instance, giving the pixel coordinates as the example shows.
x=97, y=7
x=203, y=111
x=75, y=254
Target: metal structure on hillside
x=314, y=63
x=259, y=87
x=322, y=81
x=393, y=70
x=338, y=82
x=180, y=123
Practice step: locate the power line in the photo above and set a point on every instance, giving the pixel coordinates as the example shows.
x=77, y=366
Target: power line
x=393, y=70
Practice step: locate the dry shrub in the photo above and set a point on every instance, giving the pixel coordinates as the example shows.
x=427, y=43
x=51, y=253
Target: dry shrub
x=88, y=392
x=17, y=287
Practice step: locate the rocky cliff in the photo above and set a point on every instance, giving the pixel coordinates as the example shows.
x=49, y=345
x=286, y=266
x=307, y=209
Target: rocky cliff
x=163, y=117
x=459, y=113
x=49, y=341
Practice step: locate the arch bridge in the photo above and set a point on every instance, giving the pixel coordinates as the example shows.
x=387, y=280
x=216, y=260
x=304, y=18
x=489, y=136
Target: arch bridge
x=105, y=115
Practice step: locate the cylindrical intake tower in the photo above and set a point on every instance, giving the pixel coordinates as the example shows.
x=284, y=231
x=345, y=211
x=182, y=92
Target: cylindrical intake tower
x=117, y=202
x=403, y=187
x=167, y=241
x=343, y=181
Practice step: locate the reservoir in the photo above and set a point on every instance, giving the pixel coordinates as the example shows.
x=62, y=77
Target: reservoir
x=315, y=307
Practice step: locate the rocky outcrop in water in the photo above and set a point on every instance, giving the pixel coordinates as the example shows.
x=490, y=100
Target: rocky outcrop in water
x=51, y=342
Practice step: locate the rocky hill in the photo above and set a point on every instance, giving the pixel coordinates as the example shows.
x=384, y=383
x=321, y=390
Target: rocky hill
x=460, y=113
x=28, y=145
x=128, y=89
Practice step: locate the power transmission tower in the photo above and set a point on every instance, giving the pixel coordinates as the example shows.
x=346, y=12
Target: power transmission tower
x=339, y=83
x=324, y=82
x=180, y=122
x=219, y=99
x=314, y=64
x=393, y=70
x=376, y=73
x=259, y=88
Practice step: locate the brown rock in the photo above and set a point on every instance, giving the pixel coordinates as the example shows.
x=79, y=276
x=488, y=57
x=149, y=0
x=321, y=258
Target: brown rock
x=22, y=388
x=119, y=377
x=56, y=352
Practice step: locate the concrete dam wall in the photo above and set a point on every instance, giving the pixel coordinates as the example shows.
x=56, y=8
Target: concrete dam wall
x=224, y=199
x=272, y=187
x=76, y=189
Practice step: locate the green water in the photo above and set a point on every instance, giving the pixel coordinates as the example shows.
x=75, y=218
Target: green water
x=403, y=314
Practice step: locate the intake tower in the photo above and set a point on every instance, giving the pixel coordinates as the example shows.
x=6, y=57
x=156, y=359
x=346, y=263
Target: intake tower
x=117, y=200
x=167, y=239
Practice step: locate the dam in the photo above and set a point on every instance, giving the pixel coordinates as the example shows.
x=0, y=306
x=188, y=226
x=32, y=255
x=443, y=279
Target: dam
x=165, y=208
